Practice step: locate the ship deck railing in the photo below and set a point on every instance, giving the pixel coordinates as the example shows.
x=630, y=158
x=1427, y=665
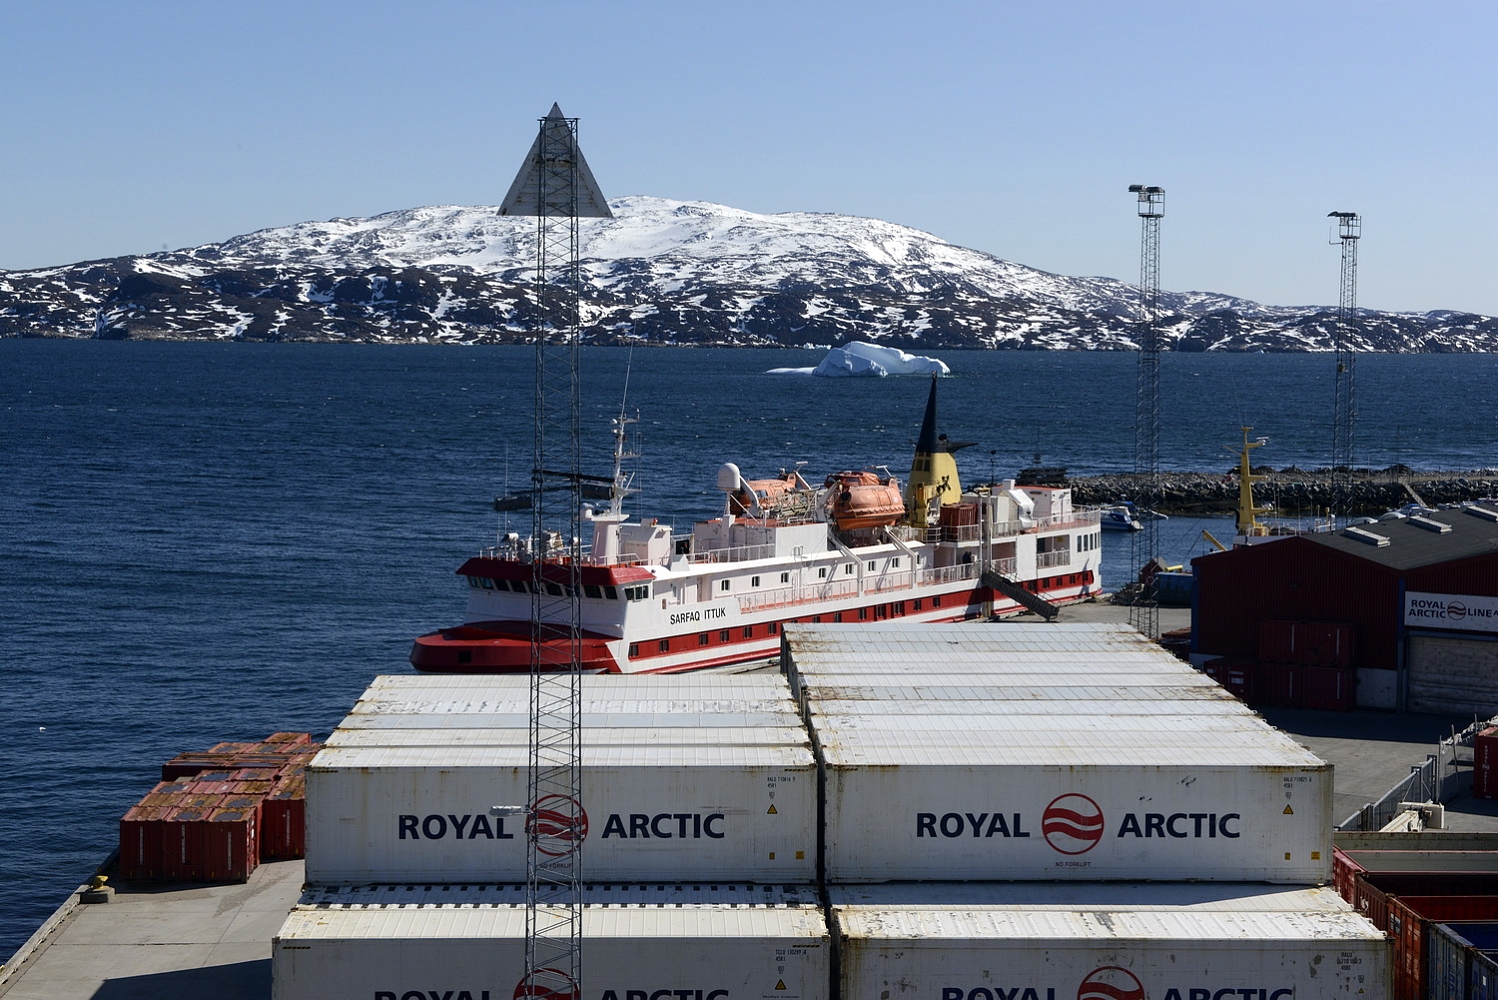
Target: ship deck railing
x=1050, y=560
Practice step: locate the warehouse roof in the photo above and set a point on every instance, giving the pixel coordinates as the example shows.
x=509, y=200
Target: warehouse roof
x=1437, y=537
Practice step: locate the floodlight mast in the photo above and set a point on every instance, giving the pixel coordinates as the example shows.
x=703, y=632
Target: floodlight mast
x=555, y=185
x=1144, y=611
x=1344, y=401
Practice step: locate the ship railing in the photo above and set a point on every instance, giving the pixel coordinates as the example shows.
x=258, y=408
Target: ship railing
x=737, y=553
x=785, y=596
x=1050, y=560
x=1073, y=519
x=949, y=574
x=1005, y=567
x=890, y=581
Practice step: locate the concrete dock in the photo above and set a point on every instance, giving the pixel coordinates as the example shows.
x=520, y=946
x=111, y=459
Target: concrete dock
x=160, y=942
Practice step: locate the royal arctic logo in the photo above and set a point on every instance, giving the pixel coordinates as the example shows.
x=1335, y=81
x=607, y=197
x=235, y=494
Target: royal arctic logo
x=548, y=984
x=1072, y=824
x=1455, y=611
x=560, y=826
x=1111, y=982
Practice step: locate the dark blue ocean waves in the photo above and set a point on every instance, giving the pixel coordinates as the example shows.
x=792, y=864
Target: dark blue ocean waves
x=201, y=542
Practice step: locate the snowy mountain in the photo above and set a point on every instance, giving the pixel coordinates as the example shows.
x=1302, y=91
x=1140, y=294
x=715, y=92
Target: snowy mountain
x=661, y=271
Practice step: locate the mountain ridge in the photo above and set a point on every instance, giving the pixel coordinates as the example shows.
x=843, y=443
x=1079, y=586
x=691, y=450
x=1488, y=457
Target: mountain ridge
x=662, y=271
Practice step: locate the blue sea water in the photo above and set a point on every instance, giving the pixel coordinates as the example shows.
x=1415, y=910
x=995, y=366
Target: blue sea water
x=203, y=542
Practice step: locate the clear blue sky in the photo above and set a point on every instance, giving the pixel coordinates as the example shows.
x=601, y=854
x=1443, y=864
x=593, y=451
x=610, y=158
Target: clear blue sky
x=1014, y=128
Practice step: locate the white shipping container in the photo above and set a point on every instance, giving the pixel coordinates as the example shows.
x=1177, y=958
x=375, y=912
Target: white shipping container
x=421, y=814
x=507, y=705
x=1114, y=951
x=918, y=690
x=1073, y=707
x=1092, y=897
x=1132, y=806
x=765, y=684
x=785, y=719
x=1034, y=676
x=1000, y=728
x=680, y=951
x=593, y=736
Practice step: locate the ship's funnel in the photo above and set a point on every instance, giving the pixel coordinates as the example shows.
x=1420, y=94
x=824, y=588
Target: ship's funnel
x=933, y=473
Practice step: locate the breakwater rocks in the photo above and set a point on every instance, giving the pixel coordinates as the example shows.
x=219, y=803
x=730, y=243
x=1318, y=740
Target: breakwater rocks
x=1293, y=492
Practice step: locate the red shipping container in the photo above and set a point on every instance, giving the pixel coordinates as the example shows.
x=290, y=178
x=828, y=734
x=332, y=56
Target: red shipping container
x=1278, y=684
x=290, y=740
x=1408, y=918
x=1324, y=644
x=233, y=747
x=1331, y=689
x=1345, y=874
x=284, y=820
x=1277, y=640
x=1373, y=890
x=230, y=850
x=141, y=832
x=1485, y=764
x=1238, y=678
x=1213, y=669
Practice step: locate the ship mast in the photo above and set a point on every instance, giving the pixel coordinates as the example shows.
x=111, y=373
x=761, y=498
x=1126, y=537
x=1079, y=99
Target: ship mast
x=1249, y=525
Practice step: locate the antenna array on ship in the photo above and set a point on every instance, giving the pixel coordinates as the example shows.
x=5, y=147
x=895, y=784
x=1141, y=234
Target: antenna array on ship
x=1345, y=409
x=1144, y=611
x=556, y=187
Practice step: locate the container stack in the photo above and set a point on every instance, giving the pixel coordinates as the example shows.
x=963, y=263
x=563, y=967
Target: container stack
x=1300, y=665
x=953, y=813
x=700, y=803
x=1062, y=793
x=1436, y=894
x=211, y=818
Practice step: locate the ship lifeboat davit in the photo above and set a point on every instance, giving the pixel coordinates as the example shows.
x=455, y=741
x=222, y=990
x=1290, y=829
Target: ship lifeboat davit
x=861, y=500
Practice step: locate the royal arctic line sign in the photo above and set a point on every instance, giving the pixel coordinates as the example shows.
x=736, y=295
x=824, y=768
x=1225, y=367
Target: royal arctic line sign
x=1454, y=611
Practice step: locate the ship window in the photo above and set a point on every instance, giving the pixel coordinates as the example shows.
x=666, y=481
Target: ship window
x=838, y=617
x=895, y=562
x=502, y=585
x=816, y=618
x=917, y=604
x=748, y=631
x=871, y=564
x=754, y=581
x=848, y=569
x=634, y=649
x=591, y=589
x=486, y=583
x=774, y=628
x=899, y=607
x=863, y=614
x=664, y=645
x=473, y=581
x=822, y=573
x=723, y=635
x=610, y=593
x=785, y=578
x=723, y=584
x=702, y=638
x=936, y=601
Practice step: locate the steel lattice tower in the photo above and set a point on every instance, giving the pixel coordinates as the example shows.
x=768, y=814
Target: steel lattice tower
x=556, y=187
x=1144, y=613
x=1345, y=411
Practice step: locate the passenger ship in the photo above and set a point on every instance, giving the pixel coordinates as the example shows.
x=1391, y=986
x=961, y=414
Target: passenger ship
x=855, y=549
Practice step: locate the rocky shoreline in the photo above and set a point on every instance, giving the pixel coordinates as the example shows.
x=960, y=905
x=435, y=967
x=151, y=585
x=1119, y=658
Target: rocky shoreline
x=1294, y=493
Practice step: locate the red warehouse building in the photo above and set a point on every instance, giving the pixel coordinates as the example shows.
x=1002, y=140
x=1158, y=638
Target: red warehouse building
x=1403, y=611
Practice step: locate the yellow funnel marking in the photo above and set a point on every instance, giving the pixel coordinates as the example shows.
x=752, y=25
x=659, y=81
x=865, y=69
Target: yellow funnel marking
x=1289, y=811
x=781, y=985
x=772, y=812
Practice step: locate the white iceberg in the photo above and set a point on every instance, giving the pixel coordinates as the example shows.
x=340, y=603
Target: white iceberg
x=869, y=360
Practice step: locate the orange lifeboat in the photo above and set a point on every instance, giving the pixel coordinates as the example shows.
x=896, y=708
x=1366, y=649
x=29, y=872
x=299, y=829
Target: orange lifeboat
x=764, y=495
x=859, y=500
